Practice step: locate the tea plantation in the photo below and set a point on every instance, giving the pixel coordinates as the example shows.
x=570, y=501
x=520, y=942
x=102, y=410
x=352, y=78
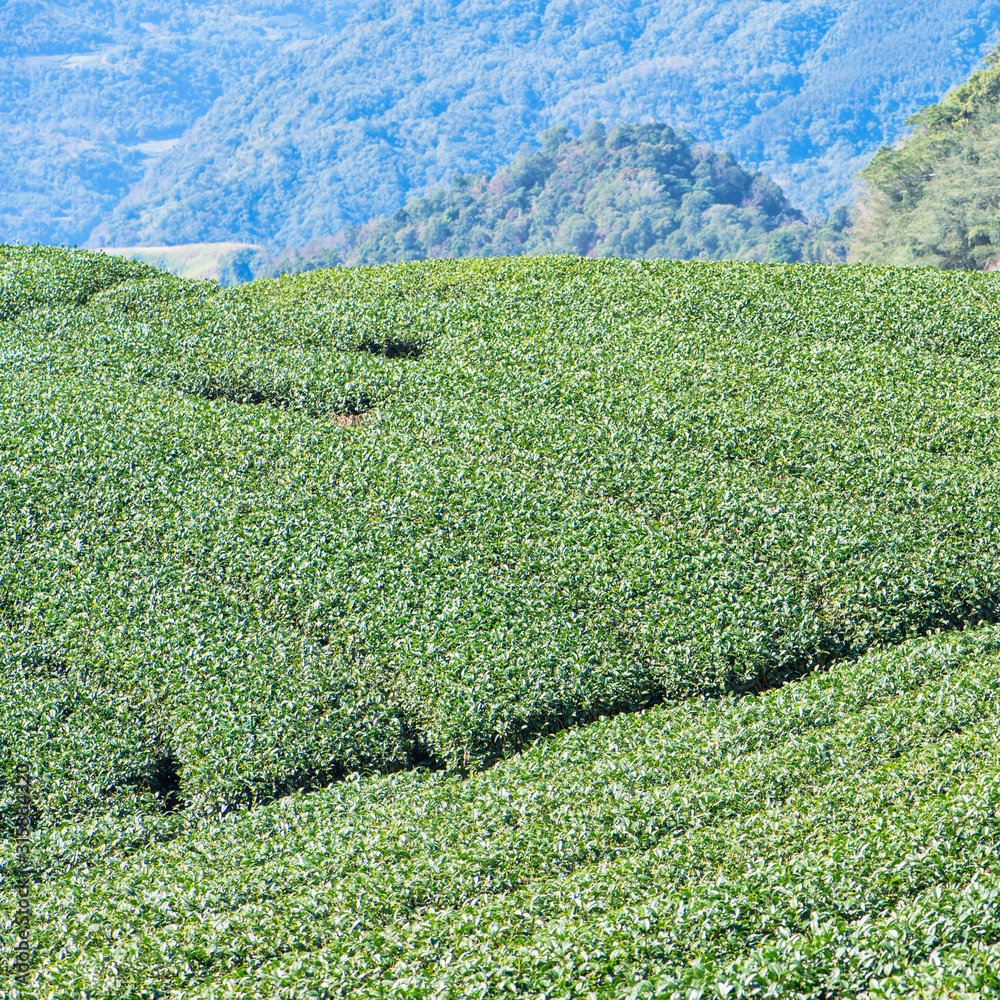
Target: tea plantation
x=529, y=627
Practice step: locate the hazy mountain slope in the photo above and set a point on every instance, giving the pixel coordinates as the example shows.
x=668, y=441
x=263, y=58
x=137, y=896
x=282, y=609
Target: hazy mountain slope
x=934, y=199
x=227, y=263
x=94, y=91
x=341, y=130
x=259, y=123
x=640, y=191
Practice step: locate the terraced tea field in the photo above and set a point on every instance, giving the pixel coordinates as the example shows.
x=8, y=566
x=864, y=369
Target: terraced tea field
x=540, y=627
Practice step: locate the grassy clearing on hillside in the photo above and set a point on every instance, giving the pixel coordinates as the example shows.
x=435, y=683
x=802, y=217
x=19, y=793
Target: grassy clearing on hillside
x=188, y=260
x=573, y=489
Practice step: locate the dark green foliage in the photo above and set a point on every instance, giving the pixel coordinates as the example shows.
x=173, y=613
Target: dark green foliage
x=418, y=519
x=640, y=191
x=934, y=200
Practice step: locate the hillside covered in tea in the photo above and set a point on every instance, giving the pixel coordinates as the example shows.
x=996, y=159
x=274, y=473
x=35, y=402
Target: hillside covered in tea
x=533, y=626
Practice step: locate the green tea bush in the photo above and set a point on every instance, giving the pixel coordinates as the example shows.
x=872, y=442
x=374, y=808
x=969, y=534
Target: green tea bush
x=838, y=835
x=403, y=526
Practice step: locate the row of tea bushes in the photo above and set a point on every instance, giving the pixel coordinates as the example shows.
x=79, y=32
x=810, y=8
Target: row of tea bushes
x=839, y=835
x=593, y=486
x=578, y=488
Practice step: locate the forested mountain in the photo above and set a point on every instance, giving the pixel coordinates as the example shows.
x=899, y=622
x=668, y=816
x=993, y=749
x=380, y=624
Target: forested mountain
x=934, y=200
x=95, y=91
x=640, y=191
x=177, y=122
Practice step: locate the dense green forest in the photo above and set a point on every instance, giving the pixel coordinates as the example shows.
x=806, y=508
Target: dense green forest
x=934, y=200
x=640, y=191
x=191, y=122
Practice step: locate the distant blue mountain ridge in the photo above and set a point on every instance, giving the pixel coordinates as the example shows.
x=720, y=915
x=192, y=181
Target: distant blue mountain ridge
x=198, y=122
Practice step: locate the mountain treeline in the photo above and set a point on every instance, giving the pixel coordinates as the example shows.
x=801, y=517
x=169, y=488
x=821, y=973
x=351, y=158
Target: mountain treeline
x=135, y=123
x=636, y=191
x=934, y=200
x=95, y=95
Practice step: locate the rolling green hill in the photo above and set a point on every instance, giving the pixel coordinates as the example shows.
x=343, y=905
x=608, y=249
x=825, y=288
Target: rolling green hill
x=532, y=626
x=196, y=121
